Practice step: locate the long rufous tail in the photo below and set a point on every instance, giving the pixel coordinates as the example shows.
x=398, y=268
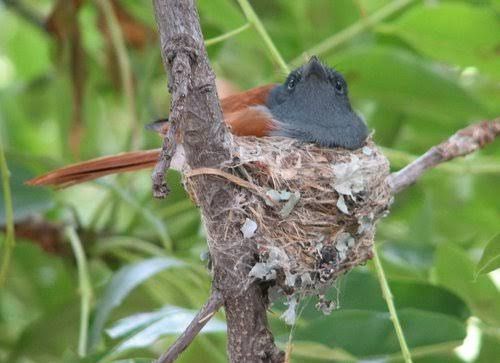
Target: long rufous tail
x=241, y=117
x=96, y=168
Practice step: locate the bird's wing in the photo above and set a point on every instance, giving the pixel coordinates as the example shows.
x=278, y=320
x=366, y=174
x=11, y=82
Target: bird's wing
x=253, y=97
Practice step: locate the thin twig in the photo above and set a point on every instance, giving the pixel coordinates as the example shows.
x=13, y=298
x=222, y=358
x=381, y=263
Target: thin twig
x=386, y=292
x=208, y=310
x=85, y=288
x=253, y=19
x=352, y=31
x=180, y=78
x=9, y=242
x=463, y=142
x=160, y=187
x=232, y=33
x=232, y=178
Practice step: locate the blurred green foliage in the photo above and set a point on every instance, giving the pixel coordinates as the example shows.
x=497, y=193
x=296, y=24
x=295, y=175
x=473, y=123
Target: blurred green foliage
x=417, y=75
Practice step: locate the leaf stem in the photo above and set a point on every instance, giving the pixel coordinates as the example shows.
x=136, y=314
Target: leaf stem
x=232, y=33
x=156, y=223
x=85, y=288
x=386, y=292
x=254, y=20
x=124, y=67
x=352, y=31
x=110, y=243
x=9, y=242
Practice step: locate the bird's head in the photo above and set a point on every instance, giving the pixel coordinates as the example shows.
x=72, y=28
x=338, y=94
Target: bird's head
x=313, y=105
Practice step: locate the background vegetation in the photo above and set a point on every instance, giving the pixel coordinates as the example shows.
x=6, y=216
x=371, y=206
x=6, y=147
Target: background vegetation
x=101, y=272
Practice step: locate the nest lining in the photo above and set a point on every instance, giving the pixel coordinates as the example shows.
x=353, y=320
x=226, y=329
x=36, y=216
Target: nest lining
x=310, y=211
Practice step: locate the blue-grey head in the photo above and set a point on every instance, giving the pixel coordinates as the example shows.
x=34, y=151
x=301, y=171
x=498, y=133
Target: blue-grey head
x=313, y=106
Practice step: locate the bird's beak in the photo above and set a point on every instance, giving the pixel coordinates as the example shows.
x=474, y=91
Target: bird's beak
x=314, y=67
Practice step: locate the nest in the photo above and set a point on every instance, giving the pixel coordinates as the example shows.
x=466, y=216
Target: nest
x=310, y=211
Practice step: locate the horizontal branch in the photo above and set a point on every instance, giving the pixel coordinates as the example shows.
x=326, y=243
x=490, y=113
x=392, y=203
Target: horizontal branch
x=463, y=142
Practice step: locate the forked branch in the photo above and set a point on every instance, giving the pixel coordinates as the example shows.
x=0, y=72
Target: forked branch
x=463, y=142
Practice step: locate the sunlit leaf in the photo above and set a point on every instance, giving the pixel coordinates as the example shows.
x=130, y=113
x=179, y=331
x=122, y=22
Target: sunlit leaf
x=312, y=350
x=490, y=260
x=142, y=330
x=122, y=283
x=490, y=349
x=455, y=271
x=23, y=44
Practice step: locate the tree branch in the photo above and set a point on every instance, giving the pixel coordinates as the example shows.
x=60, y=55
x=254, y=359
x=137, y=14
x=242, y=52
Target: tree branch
x=197, y=119
x=208, y=310
x=463, y=142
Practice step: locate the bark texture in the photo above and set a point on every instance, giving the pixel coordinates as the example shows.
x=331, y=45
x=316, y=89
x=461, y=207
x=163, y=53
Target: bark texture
x=196, y=114
x=462, y=143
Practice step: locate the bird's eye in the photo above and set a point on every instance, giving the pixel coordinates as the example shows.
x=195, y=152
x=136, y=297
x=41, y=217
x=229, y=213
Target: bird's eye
x=291, y=84
x=339, y=86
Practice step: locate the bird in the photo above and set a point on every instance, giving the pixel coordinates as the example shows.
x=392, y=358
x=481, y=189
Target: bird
x=312, y=105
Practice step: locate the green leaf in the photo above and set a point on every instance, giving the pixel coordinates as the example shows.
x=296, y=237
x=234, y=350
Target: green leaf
x=457, y=33
x=25, y=46
x=122, y=283
x=405, y=259
x=361, y=290
x=313, y=350
x=403, y=82
x=38, y=282
x=130, y=199
x=52, y=334
x=210, y=11
x=490, y=348
x=27, y=201
x=455, y=271
x=142, y=330
x=490, y=260
x=369, y=334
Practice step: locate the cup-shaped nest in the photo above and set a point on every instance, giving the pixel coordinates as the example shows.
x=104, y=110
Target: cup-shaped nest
x=309, y=211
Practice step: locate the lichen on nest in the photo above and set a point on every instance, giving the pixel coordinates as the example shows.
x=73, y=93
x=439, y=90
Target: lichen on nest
x=310, y=211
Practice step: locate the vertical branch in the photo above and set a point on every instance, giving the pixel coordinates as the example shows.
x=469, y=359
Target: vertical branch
x=85, y=288
x=197, y=119
x=257, y=24
x=9, y=241
x=354, y=30
x=386, y=293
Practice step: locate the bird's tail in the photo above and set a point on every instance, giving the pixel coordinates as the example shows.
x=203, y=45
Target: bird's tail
x=96, y=168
